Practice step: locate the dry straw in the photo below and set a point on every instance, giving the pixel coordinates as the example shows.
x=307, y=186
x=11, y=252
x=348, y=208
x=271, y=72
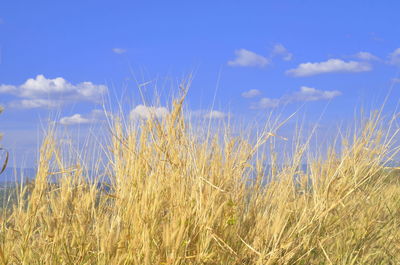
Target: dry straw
x=174, y=197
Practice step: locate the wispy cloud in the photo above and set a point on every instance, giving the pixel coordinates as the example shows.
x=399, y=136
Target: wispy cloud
x=312, y=94
x=394, y=57
x=329, y=66
x=251, y=93
x=266, y=103
x=119, y=50
x=44, y=92
x=94, y=116
x=35, y=103
x=74, y=120
x=246, y=58
x=375, y=37
x=215, y=114
x=280, y=50
x=366, y=56
x=304, y=94
x=146, y=112
x=208, y=114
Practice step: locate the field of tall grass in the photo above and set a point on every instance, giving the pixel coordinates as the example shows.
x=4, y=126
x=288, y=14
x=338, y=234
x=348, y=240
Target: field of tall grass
x=166, y=194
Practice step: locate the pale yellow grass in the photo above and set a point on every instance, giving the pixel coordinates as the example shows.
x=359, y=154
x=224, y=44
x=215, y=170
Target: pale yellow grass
x=178, y=198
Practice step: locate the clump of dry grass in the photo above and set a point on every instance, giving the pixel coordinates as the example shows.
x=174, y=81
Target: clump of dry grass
x=176, y=198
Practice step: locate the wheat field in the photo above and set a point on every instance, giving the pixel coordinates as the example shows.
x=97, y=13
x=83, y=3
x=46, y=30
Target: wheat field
x=174, y=197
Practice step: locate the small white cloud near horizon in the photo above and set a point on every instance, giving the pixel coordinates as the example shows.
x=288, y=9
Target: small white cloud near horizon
x=312, y=94
x=119, y=50
x=394, y=57
x=207, y=114
x=74, y=120
x=246, y=58
x=96, y=115
x=146, y=112
x=366, y=56
x=251, y=93
x=41, y=91
x=329, y=66
x=266, y=103
x=305, y=94
x=34, y=103
x=215, y=114
x=280, y=50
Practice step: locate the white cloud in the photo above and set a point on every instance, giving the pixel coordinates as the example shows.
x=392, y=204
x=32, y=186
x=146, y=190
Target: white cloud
x=396, y=80
x=330, y=66
x=394, y=57
x=281, y=50
x=7, y=89
x=144, y=112
x=119, y=50
x=97, y=114
x=266, y=103
x=94, y=116
x=215, y=114
x=305, y=94
x=35, y=103
x=312, y=94
x=251, y=93
x=246, y=58
x=366, y=56
x=207, y=114
x=36, y=91
x=41, y=86
x=74, y=120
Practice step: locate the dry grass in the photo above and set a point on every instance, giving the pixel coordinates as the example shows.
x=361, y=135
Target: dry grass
x=177, y=198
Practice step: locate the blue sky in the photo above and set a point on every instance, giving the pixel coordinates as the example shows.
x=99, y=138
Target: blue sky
x=256, y=57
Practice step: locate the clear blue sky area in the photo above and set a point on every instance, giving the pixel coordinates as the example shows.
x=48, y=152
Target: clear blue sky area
x=65, y=57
